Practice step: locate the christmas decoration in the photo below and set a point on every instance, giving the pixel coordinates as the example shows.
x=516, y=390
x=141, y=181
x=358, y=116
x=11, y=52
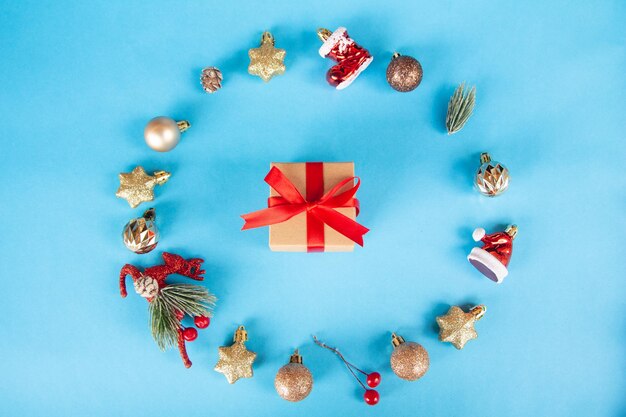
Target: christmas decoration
x=493, y=258
x=138, y=187
x=492, y=178
x=169, y=303
x=323, y=221
x=266, y=61
x=351, y=58
x=409, y=360
x=371, y=397
x=236, y=361
x=294, y=381
x=163, y=134
x=404, y=73
x=457, y=326
x=141, y=234
x=211, y=79
x=460, y=108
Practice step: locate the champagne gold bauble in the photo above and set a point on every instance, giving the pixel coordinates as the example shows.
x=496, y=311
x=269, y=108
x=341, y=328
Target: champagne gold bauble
x=141, y=234
x=163, y=134
x=404, y=73
x=294, y=381
x=492, y=178
x=409, y=360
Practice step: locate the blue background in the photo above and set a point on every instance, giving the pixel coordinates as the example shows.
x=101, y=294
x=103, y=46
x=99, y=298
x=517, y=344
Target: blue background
x=79, y=81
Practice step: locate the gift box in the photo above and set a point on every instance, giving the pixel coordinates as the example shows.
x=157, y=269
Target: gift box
x=311, y=208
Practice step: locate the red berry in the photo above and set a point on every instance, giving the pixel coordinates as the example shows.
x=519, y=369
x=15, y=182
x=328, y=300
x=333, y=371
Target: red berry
x=373, y=379
x=371, y=397
x=202, y=322
x=190, y=334
x=179, y=315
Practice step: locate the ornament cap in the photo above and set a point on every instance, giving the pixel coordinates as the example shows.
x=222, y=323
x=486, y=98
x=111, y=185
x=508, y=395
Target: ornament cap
x=267, y=38
x=395, y=55
x=479, y=311
x=396, y=340
x=161, y=177
x=296, y=357
x=183, y=125
x=323, y=34
x=484, y=158
x=241, y=335
x=511, y=230
x=150, y=214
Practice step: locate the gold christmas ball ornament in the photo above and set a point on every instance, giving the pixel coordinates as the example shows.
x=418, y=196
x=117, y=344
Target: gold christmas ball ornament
x=211, y=79
x=141, y=234
x=137, y=187
x=492, y=178
x=457, y=326
x=404, y=73
x=294, y=381
x=409, y=360
x=235, y=361
x=266, y=61
x=163, y=134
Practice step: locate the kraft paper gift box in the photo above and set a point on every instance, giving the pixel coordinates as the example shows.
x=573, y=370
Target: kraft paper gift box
x=324, y=203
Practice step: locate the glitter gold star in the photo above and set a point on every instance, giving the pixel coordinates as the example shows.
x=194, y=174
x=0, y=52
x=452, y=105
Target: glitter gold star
x=266, y=61
x=137, y=186
x=457, y=326
x=236, y=361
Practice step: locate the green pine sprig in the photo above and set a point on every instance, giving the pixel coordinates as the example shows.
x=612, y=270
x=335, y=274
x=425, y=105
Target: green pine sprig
x=193, y=300
x=460, y=108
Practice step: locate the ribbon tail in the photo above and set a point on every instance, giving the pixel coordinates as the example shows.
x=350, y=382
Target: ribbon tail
x=341, y=223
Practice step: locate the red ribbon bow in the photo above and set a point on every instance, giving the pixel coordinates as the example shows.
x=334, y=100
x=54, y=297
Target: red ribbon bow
x=319, y=211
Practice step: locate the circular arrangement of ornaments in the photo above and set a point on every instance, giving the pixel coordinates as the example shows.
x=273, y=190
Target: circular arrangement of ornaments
x=312, y=207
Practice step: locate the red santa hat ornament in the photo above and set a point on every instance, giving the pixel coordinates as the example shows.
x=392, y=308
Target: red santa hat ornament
x=494, y=256
x=351, y=58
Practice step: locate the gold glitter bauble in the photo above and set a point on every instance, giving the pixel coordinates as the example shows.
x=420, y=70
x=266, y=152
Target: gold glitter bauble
x=236, y=361
x=409, y=360
x=404, y=73
x=266, y=61
x=457, y=326
x=294, y=381
x=138, y=187
x=492, y=178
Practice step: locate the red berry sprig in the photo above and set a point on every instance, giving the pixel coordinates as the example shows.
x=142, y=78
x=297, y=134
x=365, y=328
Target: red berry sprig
x=371, y=396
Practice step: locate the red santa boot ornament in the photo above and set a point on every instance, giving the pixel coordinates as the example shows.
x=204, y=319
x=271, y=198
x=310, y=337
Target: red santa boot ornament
x=351, y=58
x=493, y=258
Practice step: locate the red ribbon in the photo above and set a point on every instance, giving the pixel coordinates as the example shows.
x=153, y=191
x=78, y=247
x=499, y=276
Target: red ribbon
x=319, y=207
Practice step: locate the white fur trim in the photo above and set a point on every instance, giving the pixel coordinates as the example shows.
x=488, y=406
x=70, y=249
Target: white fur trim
x=490, y=262
x=349, y=80
x=331, y=42
x=478, y=234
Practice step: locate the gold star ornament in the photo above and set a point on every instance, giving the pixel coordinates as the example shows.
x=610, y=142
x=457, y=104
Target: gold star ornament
x=138, y=187
x=457, y=326
x=236, y=361
x=266, y=61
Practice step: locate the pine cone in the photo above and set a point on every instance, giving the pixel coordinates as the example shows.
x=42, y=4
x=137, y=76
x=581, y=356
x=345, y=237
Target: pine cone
x=211, y=79
x=146, y=286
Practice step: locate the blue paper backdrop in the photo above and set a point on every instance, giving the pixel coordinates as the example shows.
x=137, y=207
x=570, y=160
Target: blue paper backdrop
x=80, y=79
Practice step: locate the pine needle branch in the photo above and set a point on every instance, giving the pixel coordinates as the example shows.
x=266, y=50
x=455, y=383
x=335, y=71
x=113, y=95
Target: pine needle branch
x=460, y=108
x=192, y=300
